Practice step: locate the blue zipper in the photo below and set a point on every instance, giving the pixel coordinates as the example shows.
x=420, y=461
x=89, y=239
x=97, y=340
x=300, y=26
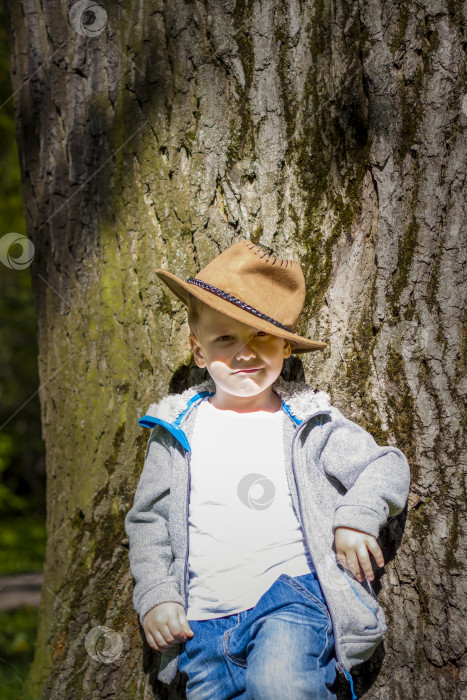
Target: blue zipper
x=339, y=665
x=349, y=678
x=185, y=571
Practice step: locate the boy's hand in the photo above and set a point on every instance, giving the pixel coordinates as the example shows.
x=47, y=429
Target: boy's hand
x=352, y=547
x=166, y=625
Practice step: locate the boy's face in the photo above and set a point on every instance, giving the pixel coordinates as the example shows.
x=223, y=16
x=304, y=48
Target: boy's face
x=226, y=347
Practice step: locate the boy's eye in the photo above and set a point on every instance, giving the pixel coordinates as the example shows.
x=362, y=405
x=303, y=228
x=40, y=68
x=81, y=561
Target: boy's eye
x=222, y=337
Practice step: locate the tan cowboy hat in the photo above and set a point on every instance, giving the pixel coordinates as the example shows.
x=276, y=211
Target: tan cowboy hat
x=253, y=287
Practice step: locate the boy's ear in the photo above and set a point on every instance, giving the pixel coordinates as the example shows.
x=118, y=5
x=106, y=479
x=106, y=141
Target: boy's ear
x=287, y=348
x=197, y=352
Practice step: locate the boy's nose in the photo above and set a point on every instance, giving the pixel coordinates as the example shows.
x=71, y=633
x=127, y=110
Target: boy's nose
x=245, y=351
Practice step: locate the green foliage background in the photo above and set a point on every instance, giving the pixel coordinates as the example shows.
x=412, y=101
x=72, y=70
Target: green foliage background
x=22, y=457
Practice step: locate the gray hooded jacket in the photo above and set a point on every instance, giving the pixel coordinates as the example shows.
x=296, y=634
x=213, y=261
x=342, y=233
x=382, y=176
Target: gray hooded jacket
x=337, y=474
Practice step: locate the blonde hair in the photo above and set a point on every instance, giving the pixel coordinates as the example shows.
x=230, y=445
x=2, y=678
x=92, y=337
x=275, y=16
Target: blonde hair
x=194, y=313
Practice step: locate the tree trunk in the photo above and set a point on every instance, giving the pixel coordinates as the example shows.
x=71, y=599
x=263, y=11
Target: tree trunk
x=157, y=134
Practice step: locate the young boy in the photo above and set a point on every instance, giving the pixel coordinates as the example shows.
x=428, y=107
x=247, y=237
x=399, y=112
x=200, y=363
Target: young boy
x=259, y=503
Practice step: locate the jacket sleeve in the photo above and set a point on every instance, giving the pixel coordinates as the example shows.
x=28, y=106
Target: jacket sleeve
x=146, y=525
x=376, y=479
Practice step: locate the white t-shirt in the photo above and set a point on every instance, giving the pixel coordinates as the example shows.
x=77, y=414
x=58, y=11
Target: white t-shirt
x=243, y=531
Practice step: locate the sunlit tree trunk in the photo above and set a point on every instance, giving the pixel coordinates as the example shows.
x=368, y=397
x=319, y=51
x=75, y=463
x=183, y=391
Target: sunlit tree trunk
x=155, y=135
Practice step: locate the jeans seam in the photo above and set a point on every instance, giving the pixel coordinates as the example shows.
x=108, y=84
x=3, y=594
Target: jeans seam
x=291, y=581
x=328, y=628
x=234, y=659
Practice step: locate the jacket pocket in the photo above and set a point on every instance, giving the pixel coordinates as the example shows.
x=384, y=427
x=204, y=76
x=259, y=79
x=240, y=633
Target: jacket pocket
x=359, y=609
x=303, y=590
x=238, y=657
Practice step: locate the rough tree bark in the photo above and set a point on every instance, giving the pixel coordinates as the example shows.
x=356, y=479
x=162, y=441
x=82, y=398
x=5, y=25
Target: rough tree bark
x=157, y=133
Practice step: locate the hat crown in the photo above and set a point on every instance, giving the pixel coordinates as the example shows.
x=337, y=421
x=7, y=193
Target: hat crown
x=272, y=285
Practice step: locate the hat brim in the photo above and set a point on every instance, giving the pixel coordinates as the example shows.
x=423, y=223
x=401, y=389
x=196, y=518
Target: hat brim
x=183, y=290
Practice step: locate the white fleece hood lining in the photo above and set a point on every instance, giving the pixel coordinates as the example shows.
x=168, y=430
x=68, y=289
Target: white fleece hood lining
x=300, y=398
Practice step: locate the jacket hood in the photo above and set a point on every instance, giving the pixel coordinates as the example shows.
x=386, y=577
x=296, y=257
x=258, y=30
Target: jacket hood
x=298, y=399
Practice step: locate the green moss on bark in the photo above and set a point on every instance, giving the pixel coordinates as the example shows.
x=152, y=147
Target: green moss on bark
x=411, y=110
x=331, y=136
x=242, y=141
x=406, y=250
x=450, y=561
x=359, y=374
x=456, y=14
x=423, y=597
x=402, y=21
x=402, y=408
x=111, y=462
x=257, y=233
x=289, y=100
x=433, y=282
x=421, y=519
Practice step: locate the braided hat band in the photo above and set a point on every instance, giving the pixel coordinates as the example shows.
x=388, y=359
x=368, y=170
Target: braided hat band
x=238, y=302
x=251, y=286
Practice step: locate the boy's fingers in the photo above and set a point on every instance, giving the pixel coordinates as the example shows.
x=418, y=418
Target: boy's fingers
x=351, y=559
x=346, y=561
x=188, y=629
x=353, y=565
x=151, y=641
x=160, y=642
x=366, y=564
x=165, y=639
x=376, y=551
x=342, y=559
x=179, y=628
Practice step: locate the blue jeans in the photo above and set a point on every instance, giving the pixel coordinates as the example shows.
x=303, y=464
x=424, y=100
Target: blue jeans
x=282, y=649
